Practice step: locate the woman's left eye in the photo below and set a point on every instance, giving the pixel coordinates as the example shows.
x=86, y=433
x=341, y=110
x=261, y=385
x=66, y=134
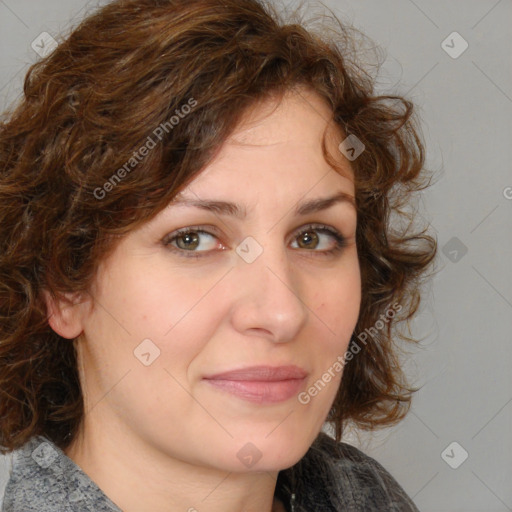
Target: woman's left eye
x=309, y=237
x=322, y=239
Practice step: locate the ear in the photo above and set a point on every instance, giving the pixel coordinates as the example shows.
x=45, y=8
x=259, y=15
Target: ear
x=65, y=314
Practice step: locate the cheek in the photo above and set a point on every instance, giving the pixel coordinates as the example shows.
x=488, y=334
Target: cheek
x=146, y=321
x=142, y=301
x=339, y=304
x=339, y=301
x=337, y=313
x=143, y=339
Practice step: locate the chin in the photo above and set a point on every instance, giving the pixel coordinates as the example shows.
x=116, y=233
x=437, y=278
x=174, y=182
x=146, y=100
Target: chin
x=269, y=453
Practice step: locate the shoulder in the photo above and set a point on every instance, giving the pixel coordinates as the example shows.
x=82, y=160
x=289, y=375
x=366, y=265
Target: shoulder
x=43, y=479
x=349, y=480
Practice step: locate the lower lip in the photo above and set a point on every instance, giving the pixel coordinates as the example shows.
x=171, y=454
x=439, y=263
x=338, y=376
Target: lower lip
x=260, y=392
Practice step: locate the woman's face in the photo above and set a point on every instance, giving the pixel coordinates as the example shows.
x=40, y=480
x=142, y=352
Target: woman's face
x=268, y=286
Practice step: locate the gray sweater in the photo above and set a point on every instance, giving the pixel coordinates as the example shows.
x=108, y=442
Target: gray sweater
x=329, y=478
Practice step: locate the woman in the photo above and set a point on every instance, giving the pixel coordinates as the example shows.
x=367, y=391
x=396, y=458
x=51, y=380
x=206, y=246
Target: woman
x=198, y=268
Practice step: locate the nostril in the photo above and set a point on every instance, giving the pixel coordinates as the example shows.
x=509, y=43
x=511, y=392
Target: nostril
x=260, y=331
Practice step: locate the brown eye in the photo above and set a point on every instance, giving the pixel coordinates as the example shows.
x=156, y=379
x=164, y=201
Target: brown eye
x=189, y=241
x=308, y=240
x=192, y=242
x=315, y=238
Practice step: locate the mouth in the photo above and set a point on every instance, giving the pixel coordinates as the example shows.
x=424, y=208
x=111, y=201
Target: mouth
x=261, y=384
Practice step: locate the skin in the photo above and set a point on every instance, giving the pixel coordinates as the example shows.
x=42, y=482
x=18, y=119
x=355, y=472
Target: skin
x=159, y=438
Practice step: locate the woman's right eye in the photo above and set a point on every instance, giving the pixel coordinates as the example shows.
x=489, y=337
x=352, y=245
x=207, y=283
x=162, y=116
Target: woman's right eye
x=187, y=240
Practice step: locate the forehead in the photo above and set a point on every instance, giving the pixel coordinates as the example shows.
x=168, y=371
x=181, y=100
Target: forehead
x=299, y=116
x=279, y=142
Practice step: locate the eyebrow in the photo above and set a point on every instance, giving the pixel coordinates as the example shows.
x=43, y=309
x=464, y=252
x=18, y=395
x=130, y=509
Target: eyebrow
x=235, y=210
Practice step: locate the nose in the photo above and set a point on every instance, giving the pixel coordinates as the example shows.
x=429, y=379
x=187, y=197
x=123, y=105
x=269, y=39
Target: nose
x=268, y=299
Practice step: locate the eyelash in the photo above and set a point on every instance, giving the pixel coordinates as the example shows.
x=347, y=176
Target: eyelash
x=340, y=241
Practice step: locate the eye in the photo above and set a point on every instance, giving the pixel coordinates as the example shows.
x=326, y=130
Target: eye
x=195, y=242
x=189, y=239
x=313, y=237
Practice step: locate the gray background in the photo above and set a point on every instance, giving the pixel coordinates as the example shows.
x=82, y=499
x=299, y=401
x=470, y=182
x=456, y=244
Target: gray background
x=465, y=105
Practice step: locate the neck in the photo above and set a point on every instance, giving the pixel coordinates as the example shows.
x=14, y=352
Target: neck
x=139, y=478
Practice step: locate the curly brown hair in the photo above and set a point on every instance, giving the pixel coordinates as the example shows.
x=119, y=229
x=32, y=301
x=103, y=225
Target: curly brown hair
x=87, y=108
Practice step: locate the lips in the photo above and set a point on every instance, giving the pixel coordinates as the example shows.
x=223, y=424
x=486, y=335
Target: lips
x=262, y=373
x=261, y=384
